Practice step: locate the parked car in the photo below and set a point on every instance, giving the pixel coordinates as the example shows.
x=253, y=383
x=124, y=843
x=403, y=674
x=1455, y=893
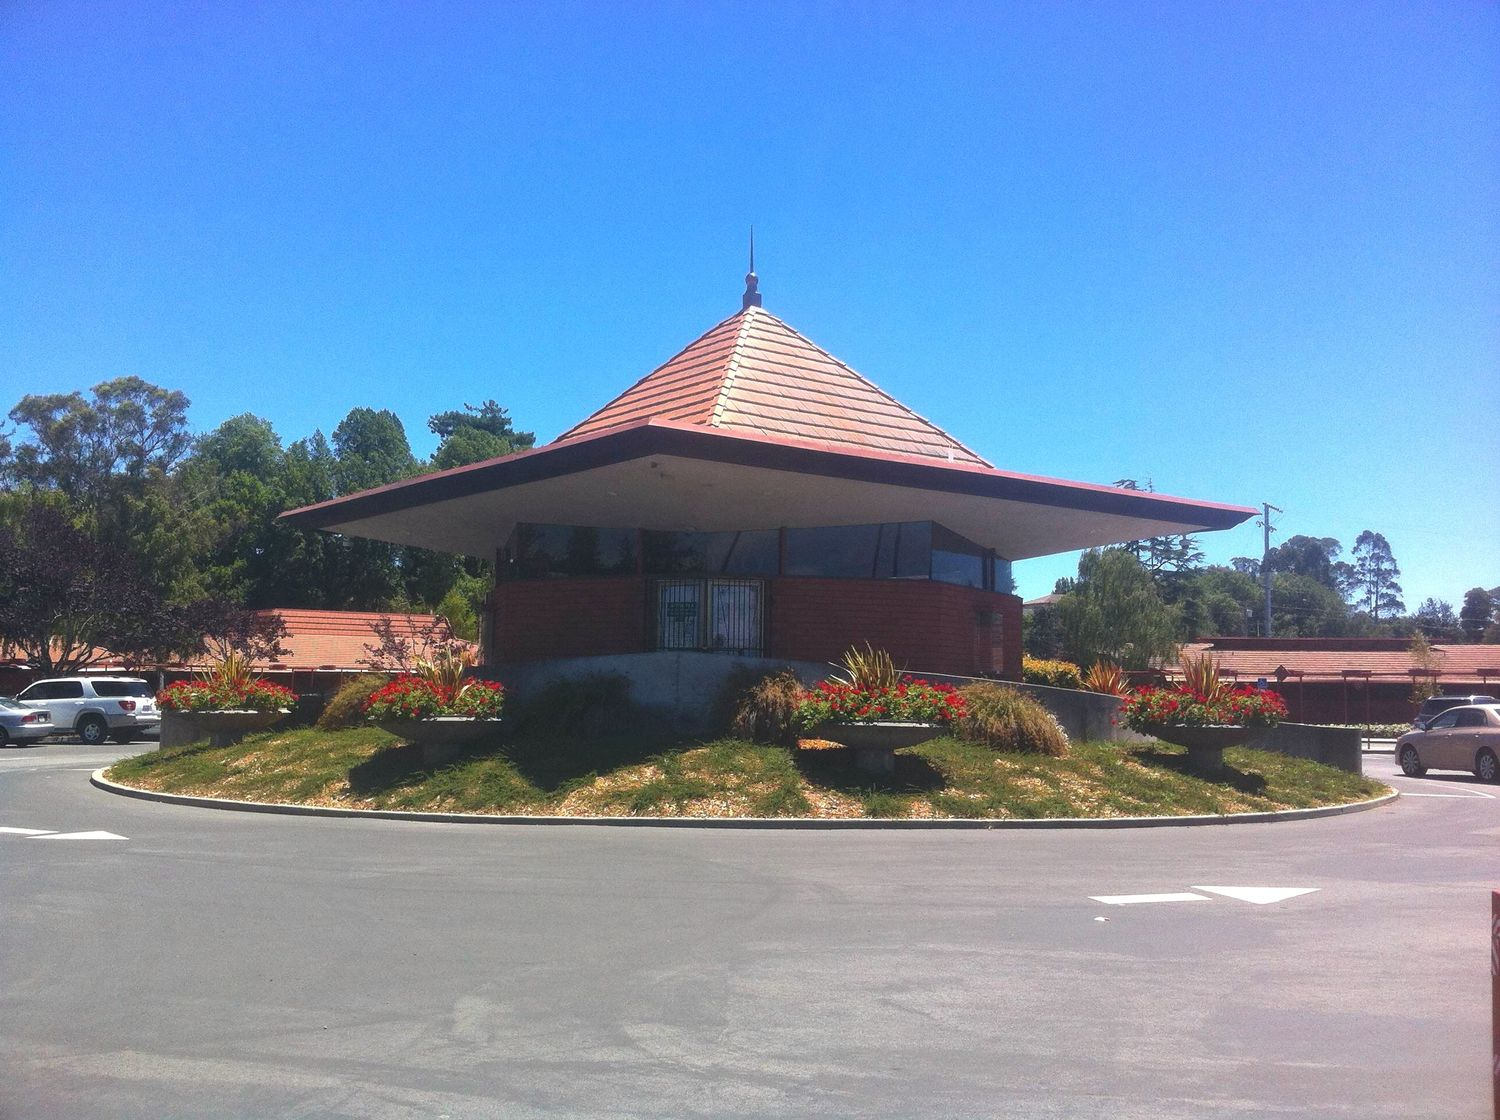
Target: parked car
x=20, y=724
x=1435, y=705
x=96, y=708
x=1465, y=738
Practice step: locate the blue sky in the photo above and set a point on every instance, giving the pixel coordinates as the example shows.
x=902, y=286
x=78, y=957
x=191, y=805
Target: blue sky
x=1249, y=252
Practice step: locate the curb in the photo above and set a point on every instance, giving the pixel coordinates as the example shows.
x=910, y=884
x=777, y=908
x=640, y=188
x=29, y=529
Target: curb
x=99, y=780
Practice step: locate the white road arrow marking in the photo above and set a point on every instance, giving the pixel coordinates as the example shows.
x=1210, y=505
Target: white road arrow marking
x=27, y=831
x=1132, y=899
x=95, y=835
x=1261, y=896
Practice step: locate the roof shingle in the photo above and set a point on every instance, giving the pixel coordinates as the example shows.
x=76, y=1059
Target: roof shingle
x=753, y=373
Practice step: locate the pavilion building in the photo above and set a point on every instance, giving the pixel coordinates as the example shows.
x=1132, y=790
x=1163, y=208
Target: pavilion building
x=755, y=496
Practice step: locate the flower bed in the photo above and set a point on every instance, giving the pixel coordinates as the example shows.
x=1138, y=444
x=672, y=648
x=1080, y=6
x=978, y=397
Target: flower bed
x=413, y=697
x=1150, y=708
x=908, y=701
x=256, y=695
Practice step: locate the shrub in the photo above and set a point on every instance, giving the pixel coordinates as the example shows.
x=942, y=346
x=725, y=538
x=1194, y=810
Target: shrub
x=346, y=708
x=595, y=704
x=1053, y=674
x=766, y=711
x=909, y=701
x=1006, y=719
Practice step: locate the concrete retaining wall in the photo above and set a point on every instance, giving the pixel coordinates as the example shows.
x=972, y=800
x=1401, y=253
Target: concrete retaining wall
x=1332, y=746
x=681, y=686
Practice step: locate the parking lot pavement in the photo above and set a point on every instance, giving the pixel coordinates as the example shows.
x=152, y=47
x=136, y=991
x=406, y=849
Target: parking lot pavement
x=232, y=964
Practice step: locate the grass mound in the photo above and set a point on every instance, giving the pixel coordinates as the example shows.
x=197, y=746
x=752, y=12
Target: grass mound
x=632, y=775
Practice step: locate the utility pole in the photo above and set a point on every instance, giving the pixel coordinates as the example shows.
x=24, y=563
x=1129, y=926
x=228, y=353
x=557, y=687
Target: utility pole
x=1265, y=560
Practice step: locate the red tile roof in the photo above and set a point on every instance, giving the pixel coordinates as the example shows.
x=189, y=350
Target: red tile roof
x=1326, y=659
x=337, y=639
x=327, y=640
x=753, y=373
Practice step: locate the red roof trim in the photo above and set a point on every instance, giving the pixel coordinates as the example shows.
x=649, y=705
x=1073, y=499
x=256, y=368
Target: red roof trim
x=648, y=437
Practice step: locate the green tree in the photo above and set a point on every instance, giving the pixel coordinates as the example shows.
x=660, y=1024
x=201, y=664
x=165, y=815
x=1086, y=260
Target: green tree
x=1475, y=615
x=372, y=450
x=1374, y=577
x=1167, y=556
x=1115, y=612
x=1436, y=621
x=472, y=435
x=1215, y=601
x=112, y=456
x=1304, y=607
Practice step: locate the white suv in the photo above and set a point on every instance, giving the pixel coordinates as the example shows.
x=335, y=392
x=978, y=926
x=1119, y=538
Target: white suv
x=96, y=708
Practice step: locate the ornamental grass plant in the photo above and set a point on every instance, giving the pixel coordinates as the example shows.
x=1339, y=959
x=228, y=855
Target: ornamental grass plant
x=1108, y=678
x=766, y=711
x=1006, y=719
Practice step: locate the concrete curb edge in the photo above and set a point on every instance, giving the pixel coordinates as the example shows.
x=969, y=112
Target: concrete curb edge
x=99, y=780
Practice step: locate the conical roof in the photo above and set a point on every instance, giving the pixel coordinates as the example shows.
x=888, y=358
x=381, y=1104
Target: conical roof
x=753, y=373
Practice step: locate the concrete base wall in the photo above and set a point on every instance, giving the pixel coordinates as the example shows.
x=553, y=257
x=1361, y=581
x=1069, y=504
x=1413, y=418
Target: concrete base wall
x=1332, y=746
x=179, y=732
x=680, y=686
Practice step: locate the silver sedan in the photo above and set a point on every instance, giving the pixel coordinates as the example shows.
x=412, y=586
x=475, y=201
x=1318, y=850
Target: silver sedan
x=1466, y=738
x=20, y=724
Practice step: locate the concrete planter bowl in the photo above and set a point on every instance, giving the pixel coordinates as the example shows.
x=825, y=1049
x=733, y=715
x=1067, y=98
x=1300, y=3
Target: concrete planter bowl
x=1205, y=744
x=221, y=728
x=875, y=744
x=440, y=737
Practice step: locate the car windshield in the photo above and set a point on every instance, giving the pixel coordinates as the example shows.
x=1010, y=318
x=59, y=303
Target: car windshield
x=10, y=705
x=121, y=688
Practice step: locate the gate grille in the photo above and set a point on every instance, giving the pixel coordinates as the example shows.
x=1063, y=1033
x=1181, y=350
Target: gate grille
x=716, y=615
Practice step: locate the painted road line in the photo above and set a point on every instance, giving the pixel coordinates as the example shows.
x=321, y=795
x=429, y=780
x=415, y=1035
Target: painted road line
x=27, y=831
x=1132, y=899
x=95, y=835
x=1261, y=896
x=1466, y=795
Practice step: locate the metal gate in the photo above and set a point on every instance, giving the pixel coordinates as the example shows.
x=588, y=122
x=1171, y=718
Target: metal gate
x=717, y=615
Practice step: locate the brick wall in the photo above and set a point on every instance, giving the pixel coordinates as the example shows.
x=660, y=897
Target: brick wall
x=535, y=620
x=926, y=626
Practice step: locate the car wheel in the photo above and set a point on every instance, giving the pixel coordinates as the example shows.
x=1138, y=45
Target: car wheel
x=4, y=737
x=1486, y=769
x=123, y=737
x=1411, y=765
x=93, y=730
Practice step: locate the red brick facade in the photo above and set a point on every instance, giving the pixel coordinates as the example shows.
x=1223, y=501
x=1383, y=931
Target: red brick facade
x=536, y=620
x=927, y=626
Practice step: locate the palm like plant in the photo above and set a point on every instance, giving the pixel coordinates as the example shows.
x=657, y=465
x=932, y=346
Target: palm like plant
x=1106, y=677
x=1201, y=674
x=869, y=668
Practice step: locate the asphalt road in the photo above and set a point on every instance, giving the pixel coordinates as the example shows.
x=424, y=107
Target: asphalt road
x=239, y=965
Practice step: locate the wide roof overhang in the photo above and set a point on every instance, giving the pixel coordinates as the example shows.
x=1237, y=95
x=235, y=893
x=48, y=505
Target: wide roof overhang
x=661, y=475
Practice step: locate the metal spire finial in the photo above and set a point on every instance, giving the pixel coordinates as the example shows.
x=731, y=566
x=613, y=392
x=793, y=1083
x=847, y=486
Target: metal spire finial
x=751, y=298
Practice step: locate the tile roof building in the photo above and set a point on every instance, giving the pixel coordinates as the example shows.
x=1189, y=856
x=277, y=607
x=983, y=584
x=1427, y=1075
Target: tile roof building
x=754, y=495
x=1341, y=680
